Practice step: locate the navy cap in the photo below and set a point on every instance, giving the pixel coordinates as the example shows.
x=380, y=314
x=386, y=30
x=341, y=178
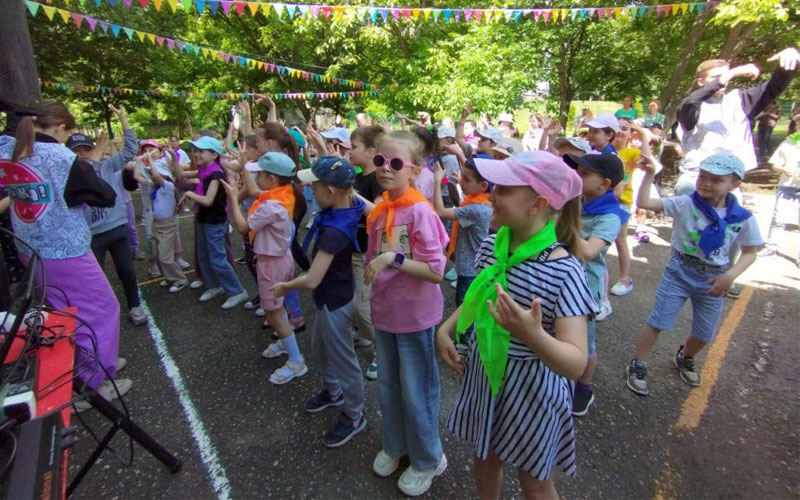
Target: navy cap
x=606, y=164
x=76, y=140
x=331, y=170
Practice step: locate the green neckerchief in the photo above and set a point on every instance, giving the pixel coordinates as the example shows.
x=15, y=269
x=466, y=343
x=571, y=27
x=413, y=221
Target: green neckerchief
x=493, y=340
x=794, y=138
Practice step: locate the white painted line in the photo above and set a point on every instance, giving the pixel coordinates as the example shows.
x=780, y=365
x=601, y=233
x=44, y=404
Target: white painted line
x=208, y=453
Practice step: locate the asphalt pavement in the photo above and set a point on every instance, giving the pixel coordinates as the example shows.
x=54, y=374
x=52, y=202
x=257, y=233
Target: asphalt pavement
x=201, y=388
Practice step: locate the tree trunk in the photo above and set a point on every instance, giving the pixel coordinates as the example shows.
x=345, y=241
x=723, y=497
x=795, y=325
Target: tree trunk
x=107, y=117
x=670, y=96
x=568, y=48
x=739, y=38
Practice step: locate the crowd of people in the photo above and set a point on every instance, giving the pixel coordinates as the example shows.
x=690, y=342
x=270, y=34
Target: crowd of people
x=523, y=222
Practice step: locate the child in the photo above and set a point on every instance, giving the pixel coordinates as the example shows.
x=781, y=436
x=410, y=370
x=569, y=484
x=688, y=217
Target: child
x=365, y=146
x=109, y=224
x=785, y=161
x=705, y=226
x=489, y=138
x=165, y=223
x=212, y=225
x=331, y=279
x=423, y=182
x=471, y=225
x=602, y=131
x=405, y=264
x=514, y=402
x=269, y=227
x=600, y=225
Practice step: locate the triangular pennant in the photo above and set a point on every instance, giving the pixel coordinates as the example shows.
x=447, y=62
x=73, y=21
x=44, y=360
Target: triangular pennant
x=253, y=6
x=699, y=7
x=556, y=13
x=427, y=13
x=64, y=14
x=170, y=43
x=226, y=6
x=508, y=14
x=477, y=15
x=395, y=14
x=437, y=14
x=265, y=7
x=278, y=8
x=415, y=14
x=517, y=15
x=684, y=7
x=104, y=27
x=205, y=52
x=617, y=12
x=373, y=14
x=239, y=7
x=326, y=12
x=158, y=3
x=213, y=6
x=187, y=5
x=384, y=14
x=338, y=12
x=546, y=15
x=151, y=37
x=406, y=13
x=77, y=19
x=675, y=8
x=160, y=41
x=260, y=64
x=128, y=31
x=200, y=4
x=467, y=15
x=90, y=21
x=127, y=3
x=33, y=7
x=143, y=3
x=173, y=5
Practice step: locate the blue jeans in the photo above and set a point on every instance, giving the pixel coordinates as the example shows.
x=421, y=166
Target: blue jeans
x=462, y=285
x=213, y=260
x=308, y=194
x=408, y=390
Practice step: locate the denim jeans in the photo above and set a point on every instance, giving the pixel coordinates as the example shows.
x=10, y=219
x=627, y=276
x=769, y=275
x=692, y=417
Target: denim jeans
x=408, y=390
x=213, y=259
x=462, y=285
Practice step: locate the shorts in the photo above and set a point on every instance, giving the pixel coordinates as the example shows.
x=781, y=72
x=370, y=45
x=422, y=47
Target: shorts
x=624, y=213
x=269, y=271
x=682, y=281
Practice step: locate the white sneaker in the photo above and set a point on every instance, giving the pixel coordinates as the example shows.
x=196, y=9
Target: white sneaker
x=260, y=312
x=121, y=363
x=414, y=483
x=274, y=350
x=454, y=284
x=211, y=293
x=621, y=288
x=451, y=275
x=163, y=283
x=178, y=286
x=605, y=310
x=153, y=271
x=384, y=465
x=137, y=316
x=194, y=285
x=107, y=391
x=183, y=264
x=288, y=372
x=239, y=298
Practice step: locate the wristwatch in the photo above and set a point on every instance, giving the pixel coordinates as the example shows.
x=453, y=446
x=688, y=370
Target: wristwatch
x=399, y=258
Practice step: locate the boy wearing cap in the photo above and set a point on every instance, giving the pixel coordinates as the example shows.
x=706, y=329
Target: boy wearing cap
x=705, y=225
x=603, y=129
x=489, y=138
x=269, y=225
x=331, y=278
x=600, y=226
x=109, y=226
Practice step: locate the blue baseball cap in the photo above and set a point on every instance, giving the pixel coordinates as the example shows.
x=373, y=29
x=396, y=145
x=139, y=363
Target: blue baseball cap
x=723, y=164
x=340, y=134
x=275, y=163
x=331, y=170
x=209, y=144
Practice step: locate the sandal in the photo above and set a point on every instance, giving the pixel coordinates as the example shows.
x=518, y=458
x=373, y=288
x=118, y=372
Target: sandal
x=288, y=372
x=274, y=350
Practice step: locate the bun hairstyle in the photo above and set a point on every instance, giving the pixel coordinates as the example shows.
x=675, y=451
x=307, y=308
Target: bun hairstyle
x=415, y=146
x=369, y=135
x=55, y=114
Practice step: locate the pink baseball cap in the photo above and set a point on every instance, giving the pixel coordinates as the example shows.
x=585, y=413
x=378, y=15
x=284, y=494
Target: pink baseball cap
x=149, y=142
x=544, y=172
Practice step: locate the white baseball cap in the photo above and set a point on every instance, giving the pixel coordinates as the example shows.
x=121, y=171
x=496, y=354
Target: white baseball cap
x=604, y=121
x=445, y=131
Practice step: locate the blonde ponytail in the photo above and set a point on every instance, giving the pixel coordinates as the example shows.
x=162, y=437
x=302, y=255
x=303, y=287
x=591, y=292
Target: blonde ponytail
x=568, y=226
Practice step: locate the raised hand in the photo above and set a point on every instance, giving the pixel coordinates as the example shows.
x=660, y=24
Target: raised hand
x=519, y=322
x=788, y=59
x=466, y=112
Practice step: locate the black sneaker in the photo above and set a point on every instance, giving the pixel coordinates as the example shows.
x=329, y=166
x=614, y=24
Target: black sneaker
x=343, y=430
x=581, y=401
x=636, y=373
x=323, y=400
x=686, y=369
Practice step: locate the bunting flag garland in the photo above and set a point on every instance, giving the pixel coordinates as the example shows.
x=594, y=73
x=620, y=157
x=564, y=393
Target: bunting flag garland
x=412, y=14
x=210, y=95
x=170, y=44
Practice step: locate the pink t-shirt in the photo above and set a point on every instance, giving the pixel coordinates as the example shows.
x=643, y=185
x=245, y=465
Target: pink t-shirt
x=424, y=183
x=401, y=303
x=273, y=229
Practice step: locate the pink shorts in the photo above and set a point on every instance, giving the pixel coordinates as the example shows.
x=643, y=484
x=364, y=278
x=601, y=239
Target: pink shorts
x=271, y=270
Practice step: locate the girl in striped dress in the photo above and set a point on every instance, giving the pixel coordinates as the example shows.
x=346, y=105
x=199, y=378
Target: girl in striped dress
x=531, y=337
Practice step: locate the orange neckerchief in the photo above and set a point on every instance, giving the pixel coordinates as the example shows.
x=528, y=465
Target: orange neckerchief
x=468, y=200
x=410, y=197
x=283, y=195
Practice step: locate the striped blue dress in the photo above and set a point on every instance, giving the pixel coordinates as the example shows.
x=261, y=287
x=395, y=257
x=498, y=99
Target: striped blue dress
x=529, y=423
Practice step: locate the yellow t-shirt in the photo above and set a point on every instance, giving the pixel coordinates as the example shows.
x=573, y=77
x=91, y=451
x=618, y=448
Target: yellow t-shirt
x=629, y=157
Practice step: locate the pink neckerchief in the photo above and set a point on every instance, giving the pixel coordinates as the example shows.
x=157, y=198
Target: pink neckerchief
x=202, y=174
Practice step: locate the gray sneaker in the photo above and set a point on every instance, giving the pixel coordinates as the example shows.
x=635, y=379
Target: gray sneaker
x=636, y=373
x=686, y=369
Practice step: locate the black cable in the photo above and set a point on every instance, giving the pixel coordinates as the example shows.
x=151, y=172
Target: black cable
x=7, y=466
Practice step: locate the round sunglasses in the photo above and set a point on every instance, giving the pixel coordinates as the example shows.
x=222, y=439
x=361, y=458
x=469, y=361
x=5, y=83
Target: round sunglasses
x=381, y=160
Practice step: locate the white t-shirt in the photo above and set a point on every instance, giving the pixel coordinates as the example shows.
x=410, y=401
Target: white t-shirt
x=688, y=222
x=787, y=157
